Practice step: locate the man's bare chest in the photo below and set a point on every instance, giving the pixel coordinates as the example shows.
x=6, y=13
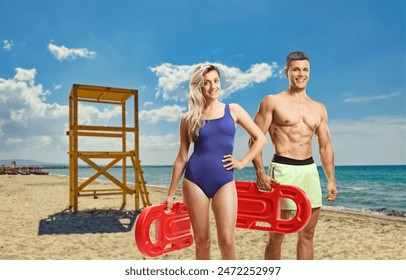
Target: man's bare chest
x=297, y=114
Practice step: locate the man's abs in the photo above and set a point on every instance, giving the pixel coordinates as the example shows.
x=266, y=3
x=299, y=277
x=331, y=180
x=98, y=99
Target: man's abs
x=293, y=144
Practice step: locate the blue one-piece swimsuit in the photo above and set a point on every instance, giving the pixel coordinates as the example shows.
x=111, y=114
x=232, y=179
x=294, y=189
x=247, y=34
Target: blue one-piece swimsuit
x=205, y=166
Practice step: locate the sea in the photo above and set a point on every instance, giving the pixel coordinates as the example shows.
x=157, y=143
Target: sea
x=377, y=190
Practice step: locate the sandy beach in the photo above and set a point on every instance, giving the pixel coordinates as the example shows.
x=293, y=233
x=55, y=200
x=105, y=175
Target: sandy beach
x=37, y=225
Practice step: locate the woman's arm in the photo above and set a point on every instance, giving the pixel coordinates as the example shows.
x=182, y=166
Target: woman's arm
x=242, y=118
x=180, y=162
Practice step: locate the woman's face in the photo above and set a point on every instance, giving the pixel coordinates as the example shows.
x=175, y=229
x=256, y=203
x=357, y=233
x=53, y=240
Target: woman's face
x=211, y=85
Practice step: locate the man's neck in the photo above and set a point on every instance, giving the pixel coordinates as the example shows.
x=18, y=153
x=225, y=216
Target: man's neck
x=299, y=92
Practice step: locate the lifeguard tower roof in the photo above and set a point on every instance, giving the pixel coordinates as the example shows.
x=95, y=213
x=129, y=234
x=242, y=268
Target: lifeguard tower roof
x=101, y=94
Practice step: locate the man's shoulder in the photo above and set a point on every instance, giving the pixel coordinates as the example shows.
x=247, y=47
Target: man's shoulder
x=317, y=103
x=268, y=101
x=273, y=96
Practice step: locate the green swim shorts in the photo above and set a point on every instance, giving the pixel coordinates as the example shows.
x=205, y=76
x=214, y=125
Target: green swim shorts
x=299, y=173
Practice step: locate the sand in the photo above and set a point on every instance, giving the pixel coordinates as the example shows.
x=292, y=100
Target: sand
x=37, y=225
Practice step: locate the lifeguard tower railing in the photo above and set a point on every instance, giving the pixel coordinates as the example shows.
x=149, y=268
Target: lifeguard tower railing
x=108, y=96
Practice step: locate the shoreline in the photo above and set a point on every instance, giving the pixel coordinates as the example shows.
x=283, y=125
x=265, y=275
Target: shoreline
x=371, y=214
x=338, y=209
x=37, y=225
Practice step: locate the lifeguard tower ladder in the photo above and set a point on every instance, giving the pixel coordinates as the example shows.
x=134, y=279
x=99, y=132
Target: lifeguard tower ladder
x=111, y=96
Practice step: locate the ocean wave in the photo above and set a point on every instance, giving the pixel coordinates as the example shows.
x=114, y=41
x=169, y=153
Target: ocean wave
x=389, y=212
x=357, y=188
x=374, y=212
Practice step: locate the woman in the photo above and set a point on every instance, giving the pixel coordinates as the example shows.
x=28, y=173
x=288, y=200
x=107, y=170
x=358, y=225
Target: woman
x=209, y=174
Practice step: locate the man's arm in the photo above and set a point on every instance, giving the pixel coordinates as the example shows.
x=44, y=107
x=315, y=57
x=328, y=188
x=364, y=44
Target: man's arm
x=263, y=119
x=327, y=155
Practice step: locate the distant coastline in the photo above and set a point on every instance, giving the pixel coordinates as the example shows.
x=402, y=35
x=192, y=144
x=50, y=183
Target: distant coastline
x=66, y=165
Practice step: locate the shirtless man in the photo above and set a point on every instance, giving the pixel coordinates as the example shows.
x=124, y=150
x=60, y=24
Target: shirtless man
x=292, y=118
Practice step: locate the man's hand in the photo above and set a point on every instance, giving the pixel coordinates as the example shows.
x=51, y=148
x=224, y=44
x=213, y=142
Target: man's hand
x=264, y=182
x=331, y=192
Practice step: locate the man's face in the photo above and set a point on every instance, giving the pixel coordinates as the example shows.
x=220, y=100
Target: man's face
x=298, y=73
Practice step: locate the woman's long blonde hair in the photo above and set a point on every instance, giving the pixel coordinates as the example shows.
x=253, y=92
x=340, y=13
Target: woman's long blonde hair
x=194, y=118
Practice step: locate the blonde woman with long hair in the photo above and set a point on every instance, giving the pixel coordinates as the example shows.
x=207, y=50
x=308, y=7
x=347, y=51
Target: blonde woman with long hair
x=209, y=173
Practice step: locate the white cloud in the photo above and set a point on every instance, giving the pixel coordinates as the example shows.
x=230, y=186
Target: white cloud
x=172, y=79
x=165, y=113
x=32, y=128
x=157, y=142
x=374, y=140
x=148, y=103
x=90, y=115
x=62, y=52
x=159, y=149
x=44, y=140
x=18, y=116
x=369, y=141
x=103, y=144
x=173, y=82
x=13, y=141
x=234, y=80
x=24, y=75
x=7, y=45
x=281, y=73
x=369, y=98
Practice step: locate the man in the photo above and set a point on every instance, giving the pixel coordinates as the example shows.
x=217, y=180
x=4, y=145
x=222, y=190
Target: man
x=292, y=118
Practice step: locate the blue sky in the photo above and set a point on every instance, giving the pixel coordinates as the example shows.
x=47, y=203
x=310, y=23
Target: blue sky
x=357, y=52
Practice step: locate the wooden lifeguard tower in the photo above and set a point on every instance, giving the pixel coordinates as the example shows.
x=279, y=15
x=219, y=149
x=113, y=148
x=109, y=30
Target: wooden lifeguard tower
x=109, y=97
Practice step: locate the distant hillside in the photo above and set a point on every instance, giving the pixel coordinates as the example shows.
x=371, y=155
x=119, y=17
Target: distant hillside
x=27, y=162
